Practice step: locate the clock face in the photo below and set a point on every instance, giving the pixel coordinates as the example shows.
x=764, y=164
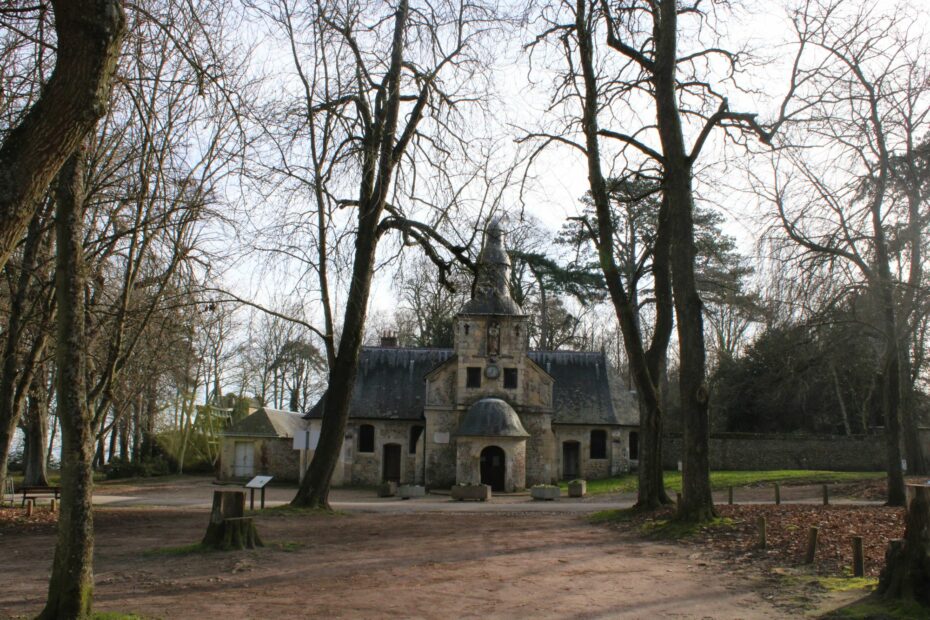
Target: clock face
x=492, y=372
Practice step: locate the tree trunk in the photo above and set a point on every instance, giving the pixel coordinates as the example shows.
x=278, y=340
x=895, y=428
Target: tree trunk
x=644, y=366
x=70, y=587
x=314, y=490
x=697, y=502
x=35, y=470
x=12, y=370
x=228, y=529
x=88, y=33
x=916, y=464
x=380, y=158
x=906, y=574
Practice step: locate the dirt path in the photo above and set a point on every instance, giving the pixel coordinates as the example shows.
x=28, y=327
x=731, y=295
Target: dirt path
x=437, y=565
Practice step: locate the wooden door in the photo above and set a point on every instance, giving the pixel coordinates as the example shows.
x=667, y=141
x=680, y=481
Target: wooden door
x=571, y=459
x=244, y=465
x=391, y=462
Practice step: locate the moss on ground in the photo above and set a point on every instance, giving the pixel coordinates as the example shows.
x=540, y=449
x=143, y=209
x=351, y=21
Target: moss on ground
x=874, y=608
x=720, y=480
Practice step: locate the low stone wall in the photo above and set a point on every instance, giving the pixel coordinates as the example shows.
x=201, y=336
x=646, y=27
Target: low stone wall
x=770, y=451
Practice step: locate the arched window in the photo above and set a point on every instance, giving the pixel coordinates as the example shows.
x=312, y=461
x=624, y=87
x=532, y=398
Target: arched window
x=366, y=438
x=634, y=446
x=598, y=444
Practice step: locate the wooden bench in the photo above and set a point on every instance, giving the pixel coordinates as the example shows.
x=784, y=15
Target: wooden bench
x=34, y=492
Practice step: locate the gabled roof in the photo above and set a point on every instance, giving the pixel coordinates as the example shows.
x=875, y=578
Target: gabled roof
x=390, y=384
x=268, y=423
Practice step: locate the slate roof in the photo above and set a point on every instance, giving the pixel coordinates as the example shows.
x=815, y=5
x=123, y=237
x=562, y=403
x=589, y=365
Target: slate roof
x=390, y=383
x=585, y=390
x=268, y=423
x=390, y=386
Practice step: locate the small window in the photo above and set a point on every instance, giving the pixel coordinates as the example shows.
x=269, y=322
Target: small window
x=366, y=438
x=466, y=329
x=598, y=444
x=473, y=377
x=415, y=432
x=634, y=446
x=510, y=378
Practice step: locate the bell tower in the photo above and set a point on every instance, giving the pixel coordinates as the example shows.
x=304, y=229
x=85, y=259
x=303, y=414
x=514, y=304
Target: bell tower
x=491, y=329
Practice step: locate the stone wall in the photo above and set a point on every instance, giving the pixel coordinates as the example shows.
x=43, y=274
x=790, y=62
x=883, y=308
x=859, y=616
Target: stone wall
x=540, y=448
x=272, y=457
x=439, y=444
x=367, y=467
x=617, y=460
x=468, y=460
x=762, y=452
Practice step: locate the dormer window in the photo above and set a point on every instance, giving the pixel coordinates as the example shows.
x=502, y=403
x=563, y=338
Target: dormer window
x=466, y=328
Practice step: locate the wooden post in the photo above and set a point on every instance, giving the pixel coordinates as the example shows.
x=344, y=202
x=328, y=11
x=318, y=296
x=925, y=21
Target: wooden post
x=251, y=499
x=29, y=507
x=678, y=498
x=826, y=495
x=811, y=545
x=263, y=498
x=730, y=495
x=53, y=506
x=858, y=559
x=777, y=494
x=760, y=522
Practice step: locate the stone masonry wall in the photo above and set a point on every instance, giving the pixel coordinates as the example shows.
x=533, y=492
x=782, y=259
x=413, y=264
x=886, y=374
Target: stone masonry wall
x=540, y=448
x=366, y=467
x=440, y=455
x=468, y=460
x=762, y=452
x=592, y=469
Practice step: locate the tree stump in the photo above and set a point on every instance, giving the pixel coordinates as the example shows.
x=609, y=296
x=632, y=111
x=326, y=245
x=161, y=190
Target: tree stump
x=228, y=529
x=907, y=562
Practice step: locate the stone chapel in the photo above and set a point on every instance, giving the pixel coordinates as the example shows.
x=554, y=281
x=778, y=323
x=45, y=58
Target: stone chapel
x=488, y=410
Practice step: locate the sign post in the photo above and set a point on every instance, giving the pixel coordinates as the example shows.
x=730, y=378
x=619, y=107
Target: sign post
x=258, y=482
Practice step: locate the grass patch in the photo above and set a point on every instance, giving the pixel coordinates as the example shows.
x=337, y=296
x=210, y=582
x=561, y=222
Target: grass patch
x=719, y=480
x=288, y=546
x=873, y=607
x=670, y=529
x=114, y=615
x=846, y=584
x=622, y=515
x=177, y=551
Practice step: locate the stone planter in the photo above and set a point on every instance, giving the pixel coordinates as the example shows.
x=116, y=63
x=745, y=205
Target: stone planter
x=387, y=489
x=474, y=492
x=546, y=492
x=577, y=488
x=406, y=491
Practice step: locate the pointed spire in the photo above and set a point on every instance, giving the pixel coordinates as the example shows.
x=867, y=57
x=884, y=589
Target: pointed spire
x=492, y=280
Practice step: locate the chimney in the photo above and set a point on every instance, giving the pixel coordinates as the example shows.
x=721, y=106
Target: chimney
x=389, y=340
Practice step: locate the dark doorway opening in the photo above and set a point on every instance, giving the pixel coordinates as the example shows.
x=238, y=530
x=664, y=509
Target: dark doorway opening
x=493, y=467
x=571, y=459
x=391, y=464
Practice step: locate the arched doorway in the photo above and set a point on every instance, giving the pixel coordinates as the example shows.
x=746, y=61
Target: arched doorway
x=391, y=463
x=571, y=459
x=493, y=467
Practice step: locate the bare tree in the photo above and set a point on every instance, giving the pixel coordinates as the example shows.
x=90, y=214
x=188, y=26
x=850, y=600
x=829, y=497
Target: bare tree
x=640, y=65
x=848, y=199
x=88, y=37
